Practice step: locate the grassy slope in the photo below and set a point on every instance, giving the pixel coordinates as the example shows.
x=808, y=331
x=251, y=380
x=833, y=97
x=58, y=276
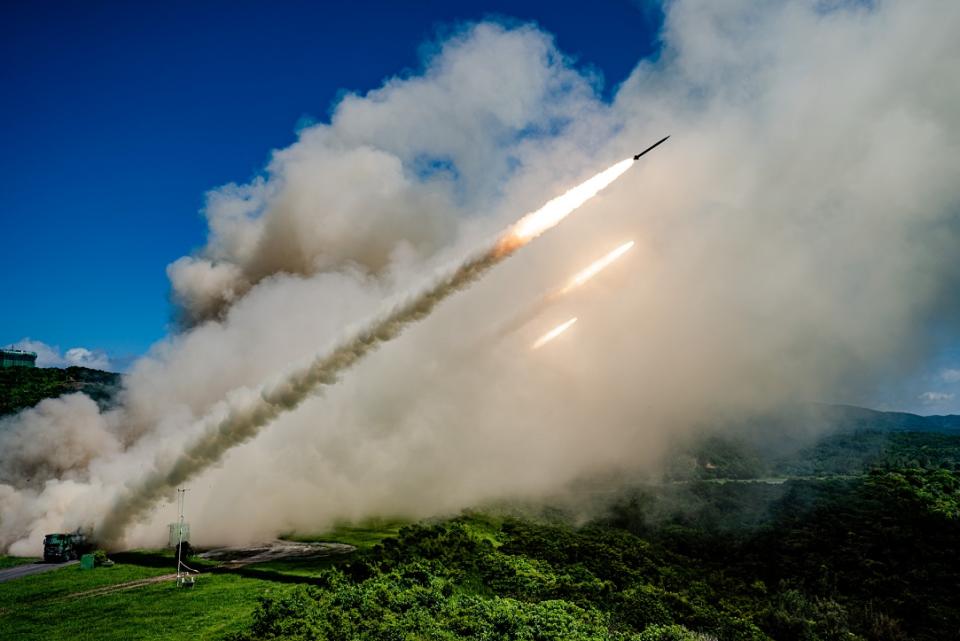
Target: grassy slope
x=362, y=536
x=217, y=605
x=13, y=561
x=47, y=606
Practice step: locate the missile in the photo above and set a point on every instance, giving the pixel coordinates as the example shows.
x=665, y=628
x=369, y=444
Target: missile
x=637, y=157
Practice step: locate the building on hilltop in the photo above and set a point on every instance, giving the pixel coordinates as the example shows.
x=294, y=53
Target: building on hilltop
x=17, y=358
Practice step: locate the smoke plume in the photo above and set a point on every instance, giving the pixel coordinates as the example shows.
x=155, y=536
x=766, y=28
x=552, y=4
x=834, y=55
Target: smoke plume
x=243, y=421
x=799, y=237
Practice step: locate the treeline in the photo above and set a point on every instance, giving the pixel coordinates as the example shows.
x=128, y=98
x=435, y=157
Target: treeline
x=836, y=453
x=876, y=556
x=872, y=559
x=22, y=387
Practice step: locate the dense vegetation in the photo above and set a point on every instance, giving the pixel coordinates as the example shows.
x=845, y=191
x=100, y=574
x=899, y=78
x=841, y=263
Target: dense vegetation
x=842, y=453
x=22, y=387
x=874, y=558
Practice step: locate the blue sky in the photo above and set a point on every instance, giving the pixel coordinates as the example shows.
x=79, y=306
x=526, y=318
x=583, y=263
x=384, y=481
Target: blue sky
x=118, y=117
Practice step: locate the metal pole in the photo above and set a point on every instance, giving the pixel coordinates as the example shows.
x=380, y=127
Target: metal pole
x=181, y=497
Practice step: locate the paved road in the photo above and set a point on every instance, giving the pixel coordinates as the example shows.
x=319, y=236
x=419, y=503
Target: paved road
x=30, y=568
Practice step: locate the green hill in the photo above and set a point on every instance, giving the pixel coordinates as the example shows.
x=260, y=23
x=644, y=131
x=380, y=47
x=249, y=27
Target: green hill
x=815, y=440
x=851, y=418
x=22, y=387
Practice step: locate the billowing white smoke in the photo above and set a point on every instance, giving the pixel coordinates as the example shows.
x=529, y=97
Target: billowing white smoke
x=796, y=239
x=35, y=447
x=394, y=174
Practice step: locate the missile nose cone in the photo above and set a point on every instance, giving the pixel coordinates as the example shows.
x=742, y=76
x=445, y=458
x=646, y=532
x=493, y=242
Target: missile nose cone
x=662, y=140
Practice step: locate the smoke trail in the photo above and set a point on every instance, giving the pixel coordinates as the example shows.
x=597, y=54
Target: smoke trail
x=244, y=420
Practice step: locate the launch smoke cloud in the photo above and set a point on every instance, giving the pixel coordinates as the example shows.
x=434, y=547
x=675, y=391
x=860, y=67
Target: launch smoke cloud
x=798, y=243
x=244, y=420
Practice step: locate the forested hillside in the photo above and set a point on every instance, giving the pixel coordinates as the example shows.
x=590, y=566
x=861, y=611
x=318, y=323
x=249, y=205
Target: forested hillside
x=22, y=387
x=869, y=559
x=854, y=535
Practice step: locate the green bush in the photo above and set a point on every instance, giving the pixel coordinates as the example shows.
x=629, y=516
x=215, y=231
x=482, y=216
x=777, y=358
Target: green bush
x=100, y=557
x=671, y=633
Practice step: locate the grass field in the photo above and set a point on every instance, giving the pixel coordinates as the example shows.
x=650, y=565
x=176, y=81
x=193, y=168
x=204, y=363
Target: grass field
x=76, y=604
x=14, y=561
x=361, y=536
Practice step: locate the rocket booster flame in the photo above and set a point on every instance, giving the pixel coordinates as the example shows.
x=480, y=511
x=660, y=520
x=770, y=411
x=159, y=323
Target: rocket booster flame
x=596, y=267
x=577, y=280
x=550, y=215
x=553, y=333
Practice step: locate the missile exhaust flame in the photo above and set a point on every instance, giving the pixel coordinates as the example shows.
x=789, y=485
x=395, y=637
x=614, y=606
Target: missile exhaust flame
x=576, y=281
x=553, y=333
x=249, y=411
x=550, y=215
x=596, y=267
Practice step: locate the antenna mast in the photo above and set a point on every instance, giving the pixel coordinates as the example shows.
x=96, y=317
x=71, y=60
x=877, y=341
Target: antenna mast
x=181, y=574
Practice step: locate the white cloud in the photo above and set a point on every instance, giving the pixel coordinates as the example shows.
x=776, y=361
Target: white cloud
x=50, y=355
x=936, y=397
x=950, y=375
x=86, y=358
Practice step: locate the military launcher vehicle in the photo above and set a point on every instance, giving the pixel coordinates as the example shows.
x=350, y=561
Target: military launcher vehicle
x=61, y=547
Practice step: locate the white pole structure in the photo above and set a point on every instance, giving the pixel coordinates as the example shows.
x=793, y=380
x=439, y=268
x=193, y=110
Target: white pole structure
x=181, y=497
